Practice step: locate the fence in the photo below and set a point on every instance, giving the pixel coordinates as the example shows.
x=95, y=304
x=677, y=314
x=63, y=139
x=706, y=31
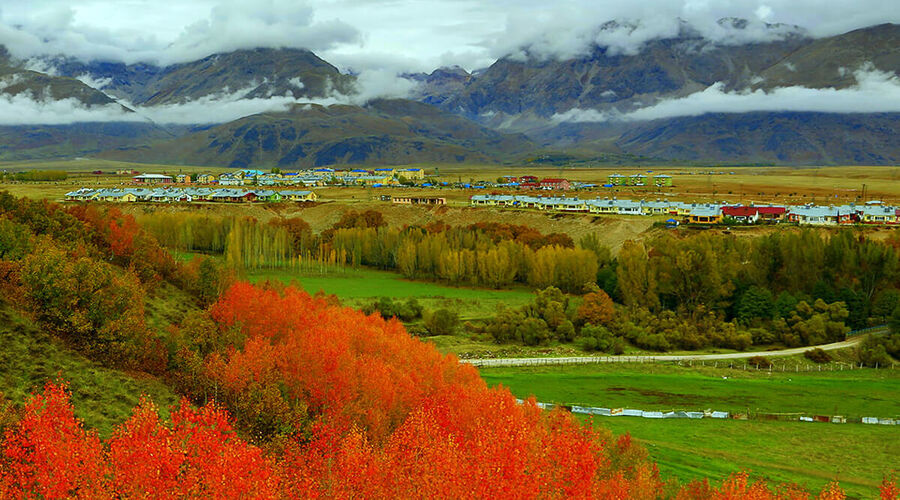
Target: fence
x=734, y=361
x=738, y=364
x=723, y=415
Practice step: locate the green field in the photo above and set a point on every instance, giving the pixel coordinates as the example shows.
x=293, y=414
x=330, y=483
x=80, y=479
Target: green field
x=809, y=454
x=102, y=397
x=852, y=393
x=357, y=287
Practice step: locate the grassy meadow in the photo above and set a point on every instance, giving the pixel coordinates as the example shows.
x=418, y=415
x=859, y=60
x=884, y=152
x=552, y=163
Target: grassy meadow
x=103, y=397
x=810, y=454
x=357, y=287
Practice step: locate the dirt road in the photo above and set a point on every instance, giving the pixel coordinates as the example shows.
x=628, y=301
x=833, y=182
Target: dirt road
x=662, y=357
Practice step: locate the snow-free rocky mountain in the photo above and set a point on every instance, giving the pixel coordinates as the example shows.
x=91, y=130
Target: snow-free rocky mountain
x=506, y=112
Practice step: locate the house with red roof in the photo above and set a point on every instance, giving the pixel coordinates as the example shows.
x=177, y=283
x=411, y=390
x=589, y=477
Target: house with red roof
x=559, y=184
x=752, y=215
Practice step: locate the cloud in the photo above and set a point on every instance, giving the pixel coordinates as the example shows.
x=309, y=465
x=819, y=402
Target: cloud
x=96, y=83
x=77, y=30
x=875, y=92
x=421, y=34
x=29, y=109
x=374, y=84
x=572, y=28
x=25, y=109
x=578, y=115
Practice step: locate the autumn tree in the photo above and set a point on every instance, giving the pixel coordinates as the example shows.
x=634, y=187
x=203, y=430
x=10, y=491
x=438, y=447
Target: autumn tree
x=596, y=308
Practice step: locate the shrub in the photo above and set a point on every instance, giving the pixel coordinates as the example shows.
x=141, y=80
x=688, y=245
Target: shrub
x=759, y=362
x=817, y=355
x=441, y=322
x=597, y=338
x=873, y=352
x=533, y=331
x=407, y=311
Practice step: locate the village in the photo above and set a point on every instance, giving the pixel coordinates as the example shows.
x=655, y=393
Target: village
x=872, y=212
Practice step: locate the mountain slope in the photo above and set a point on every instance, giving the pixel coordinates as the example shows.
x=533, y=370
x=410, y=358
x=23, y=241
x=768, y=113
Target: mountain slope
x=780, y=138
x=831, y=62
x=384, y=132
x=30, y=142
x=254, y=72
x=15, y=80
x=671, y=67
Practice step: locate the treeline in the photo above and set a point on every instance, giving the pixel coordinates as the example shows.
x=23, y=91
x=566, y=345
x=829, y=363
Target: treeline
x=486, y=254
x=787, y=288
x=35, y=175
x=466, y=255
x=792, y=288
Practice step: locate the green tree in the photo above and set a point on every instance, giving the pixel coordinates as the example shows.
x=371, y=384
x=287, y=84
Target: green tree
x=533, y=331
x=441, y=322
x=755, y=303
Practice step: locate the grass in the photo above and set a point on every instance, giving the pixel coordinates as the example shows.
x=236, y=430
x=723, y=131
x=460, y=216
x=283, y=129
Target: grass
x=651, y=386
x=808, y=454
x=811, y=455
x=357, y=287
x=103, y=397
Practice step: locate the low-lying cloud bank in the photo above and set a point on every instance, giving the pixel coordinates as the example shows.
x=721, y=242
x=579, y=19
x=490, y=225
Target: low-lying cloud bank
x=29, y=109
x=875, y=92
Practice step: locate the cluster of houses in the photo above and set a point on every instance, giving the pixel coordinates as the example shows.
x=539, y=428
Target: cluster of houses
x=660, y=180
x=873, y=212
x=190, y=195
x=530, y=182
x=309, y=178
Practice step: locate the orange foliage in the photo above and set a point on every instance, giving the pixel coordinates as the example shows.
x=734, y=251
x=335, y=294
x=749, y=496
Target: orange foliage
x=596, y=308
x=394, y=419
x=49, y=454
x=346, y=366
x=889, y=489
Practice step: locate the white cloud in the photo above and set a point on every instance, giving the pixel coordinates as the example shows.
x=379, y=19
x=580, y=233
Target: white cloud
x=226, y=106
x=424, y=34
x=25, y=109
x=374, y=84
x=577, y=115
x=875, y=92
x=127, y=32
x=97, y=83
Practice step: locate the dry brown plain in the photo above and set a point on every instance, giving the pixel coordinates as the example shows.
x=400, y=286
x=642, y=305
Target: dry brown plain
x=822, y=185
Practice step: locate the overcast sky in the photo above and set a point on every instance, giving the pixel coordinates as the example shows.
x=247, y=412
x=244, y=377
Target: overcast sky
x=377, y=40
x=412, y=35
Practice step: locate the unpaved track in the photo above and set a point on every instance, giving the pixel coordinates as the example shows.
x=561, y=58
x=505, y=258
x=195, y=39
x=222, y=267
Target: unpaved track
x=653, y=358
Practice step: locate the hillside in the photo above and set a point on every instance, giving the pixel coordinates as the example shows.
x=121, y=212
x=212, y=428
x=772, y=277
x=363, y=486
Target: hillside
x=29, y=356
x=512, y=90
x=782, y=138
x=831, y=62
x=254, y=72
x=26, y=142
x=383, y=132
x=532, y=95
x=15, y=80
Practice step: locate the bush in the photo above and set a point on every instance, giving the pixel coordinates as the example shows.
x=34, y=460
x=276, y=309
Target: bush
x=817, y=355
x=759, y=362
x=533, y=331
x=597, y=338
x=407, y=311
x=873, y=352
x=441, y=322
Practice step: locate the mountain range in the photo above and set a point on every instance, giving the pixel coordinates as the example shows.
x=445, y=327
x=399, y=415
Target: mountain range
x=522, y=104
